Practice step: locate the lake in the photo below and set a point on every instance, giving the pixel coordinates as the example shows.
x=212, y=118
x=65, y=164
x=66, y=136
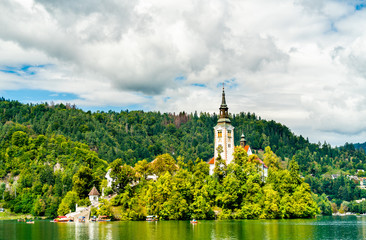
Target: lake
x=336, y=227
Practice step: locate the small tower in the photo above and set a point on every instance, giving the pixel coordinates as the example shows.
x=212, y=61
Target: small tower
x=243, y=142
x=94, y=196
x=224, y=134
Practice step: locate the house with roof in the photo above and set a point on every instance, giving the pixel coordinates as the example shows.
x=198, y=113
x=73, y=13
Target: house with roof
x=94, y=196
x=224, y=140
x=362, y=183
x=334, y=176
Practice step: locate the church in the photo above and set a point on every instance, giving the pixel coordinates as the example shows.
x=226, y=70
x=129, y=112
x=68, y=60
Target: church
x=224, y=140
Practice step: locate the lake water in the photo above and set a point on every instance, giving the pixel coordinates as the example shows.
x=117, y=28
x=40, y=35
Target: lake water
x=340, y=227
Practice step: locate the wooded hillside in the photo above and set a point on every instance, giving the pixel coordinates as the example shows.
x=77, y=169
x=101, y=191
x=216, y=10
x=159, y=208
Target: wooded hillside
x=35, y=137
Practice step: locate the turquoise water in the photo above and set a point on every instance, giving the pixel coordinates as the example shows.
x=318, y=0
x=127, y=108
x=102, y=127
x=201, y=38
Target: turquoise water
x=340, y=227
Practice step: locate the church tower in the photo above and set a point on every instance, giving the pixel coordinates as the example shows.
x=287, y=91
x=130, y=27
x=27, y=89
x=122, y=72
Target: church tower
x=224, y=133
x=224, y=141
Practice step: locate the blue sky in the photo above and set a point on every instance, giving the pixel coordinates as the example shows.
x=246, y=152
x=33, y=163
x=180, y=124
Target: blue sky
x=22, y=70
x=29, y=95
x=300, y=62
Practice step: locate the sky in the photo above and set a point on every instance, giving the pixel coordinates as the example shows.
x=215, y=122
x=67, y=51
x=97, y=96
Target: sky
x=299, y=62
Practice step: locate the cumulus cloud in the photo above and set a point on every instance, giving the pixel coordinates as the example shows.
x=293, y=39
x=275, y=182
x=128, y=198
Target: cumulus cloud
x=298, y=62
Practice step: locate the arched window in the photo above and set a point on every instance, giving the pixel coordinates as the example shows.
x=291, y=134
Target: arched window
x=219, y=133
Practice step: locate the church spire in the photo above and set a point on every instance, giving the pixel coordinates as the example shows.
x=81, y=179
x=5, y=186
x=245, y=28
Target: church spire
x=223, y=101
x=224, y=110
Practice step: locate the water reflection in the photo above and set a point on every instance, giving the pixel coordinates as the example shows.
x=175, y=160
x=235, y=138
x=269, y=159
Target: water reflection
x=91, y=228
x=348, y=227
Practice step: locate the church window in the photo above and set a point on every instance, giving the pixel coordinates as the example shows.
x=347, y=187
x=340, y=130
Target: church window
x=219, y=134
x=229, y=133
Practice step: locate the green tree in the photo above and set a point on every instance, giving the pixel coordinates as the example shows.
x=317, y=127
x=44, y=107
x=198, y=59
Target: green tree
x=324, y=204
x=271, y=203
x=220, y=165
x=19, y=139
x=163, y=163
x=105, y=208
x=121, y=175
x=304, y=205
x=68, y=203
x=83, y=181
x=142, y=168
x=270, y=158
x=2, y=190
x=39, y=208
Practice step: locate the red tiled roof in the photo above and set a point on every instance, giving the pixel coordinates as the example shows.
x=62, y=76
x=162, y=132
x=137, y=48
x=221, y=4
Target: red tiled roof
x=246, y=147
x=261, y=162
x=94, y=191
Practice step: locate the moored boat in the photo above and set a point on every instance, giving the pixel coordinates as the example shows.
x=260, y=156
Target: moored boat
x=81, y=219
x=63, y=219
x=151, y=218
x=103, y=219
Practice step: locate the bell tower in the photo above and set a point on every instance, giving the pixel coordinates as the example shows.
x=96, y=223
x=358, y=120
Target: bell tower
x=224, y=132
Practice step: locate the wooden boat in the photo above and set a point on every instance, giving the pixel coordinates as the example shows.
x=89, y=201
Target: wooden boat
x=21, y=220
x=151, y=218
x=30, y=222
x=103, y=219
x=194, y=221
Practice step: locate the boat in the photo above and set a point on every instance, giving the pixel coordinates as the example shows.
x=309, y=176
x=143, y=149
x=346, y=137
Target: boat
x=103, y=219
x=62, y=219
x=194, y=221
x=81, y=219
x=30, y=222
x=151, y=218
x=21, y=220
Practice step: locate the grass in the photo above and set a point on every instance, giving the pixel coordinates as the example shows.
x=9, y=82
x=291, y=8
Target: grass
x=7, y=215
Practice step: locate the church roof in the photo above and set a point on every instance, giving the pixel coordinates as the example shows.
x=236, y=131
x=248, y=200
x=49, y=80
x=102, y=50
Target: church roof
x=261, y=162
x=246, y=148
x=94, y=191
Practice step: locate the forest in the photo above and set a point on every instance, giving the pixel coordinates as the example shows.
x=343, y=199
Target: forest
x=51, y=155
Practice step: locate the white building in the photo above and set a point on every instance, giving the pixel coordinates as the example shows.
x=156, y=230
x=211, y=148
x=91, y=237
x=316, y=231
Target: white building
x=362, y=183
x=109, y=178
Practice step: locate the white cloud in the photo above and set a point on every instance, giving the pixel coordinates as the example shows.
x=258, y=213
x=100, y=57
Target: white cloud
x=298, y=62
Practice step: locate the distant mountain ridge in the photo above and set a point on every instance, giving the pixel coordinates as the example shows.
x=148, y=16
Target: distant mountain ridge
x=360, y=145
